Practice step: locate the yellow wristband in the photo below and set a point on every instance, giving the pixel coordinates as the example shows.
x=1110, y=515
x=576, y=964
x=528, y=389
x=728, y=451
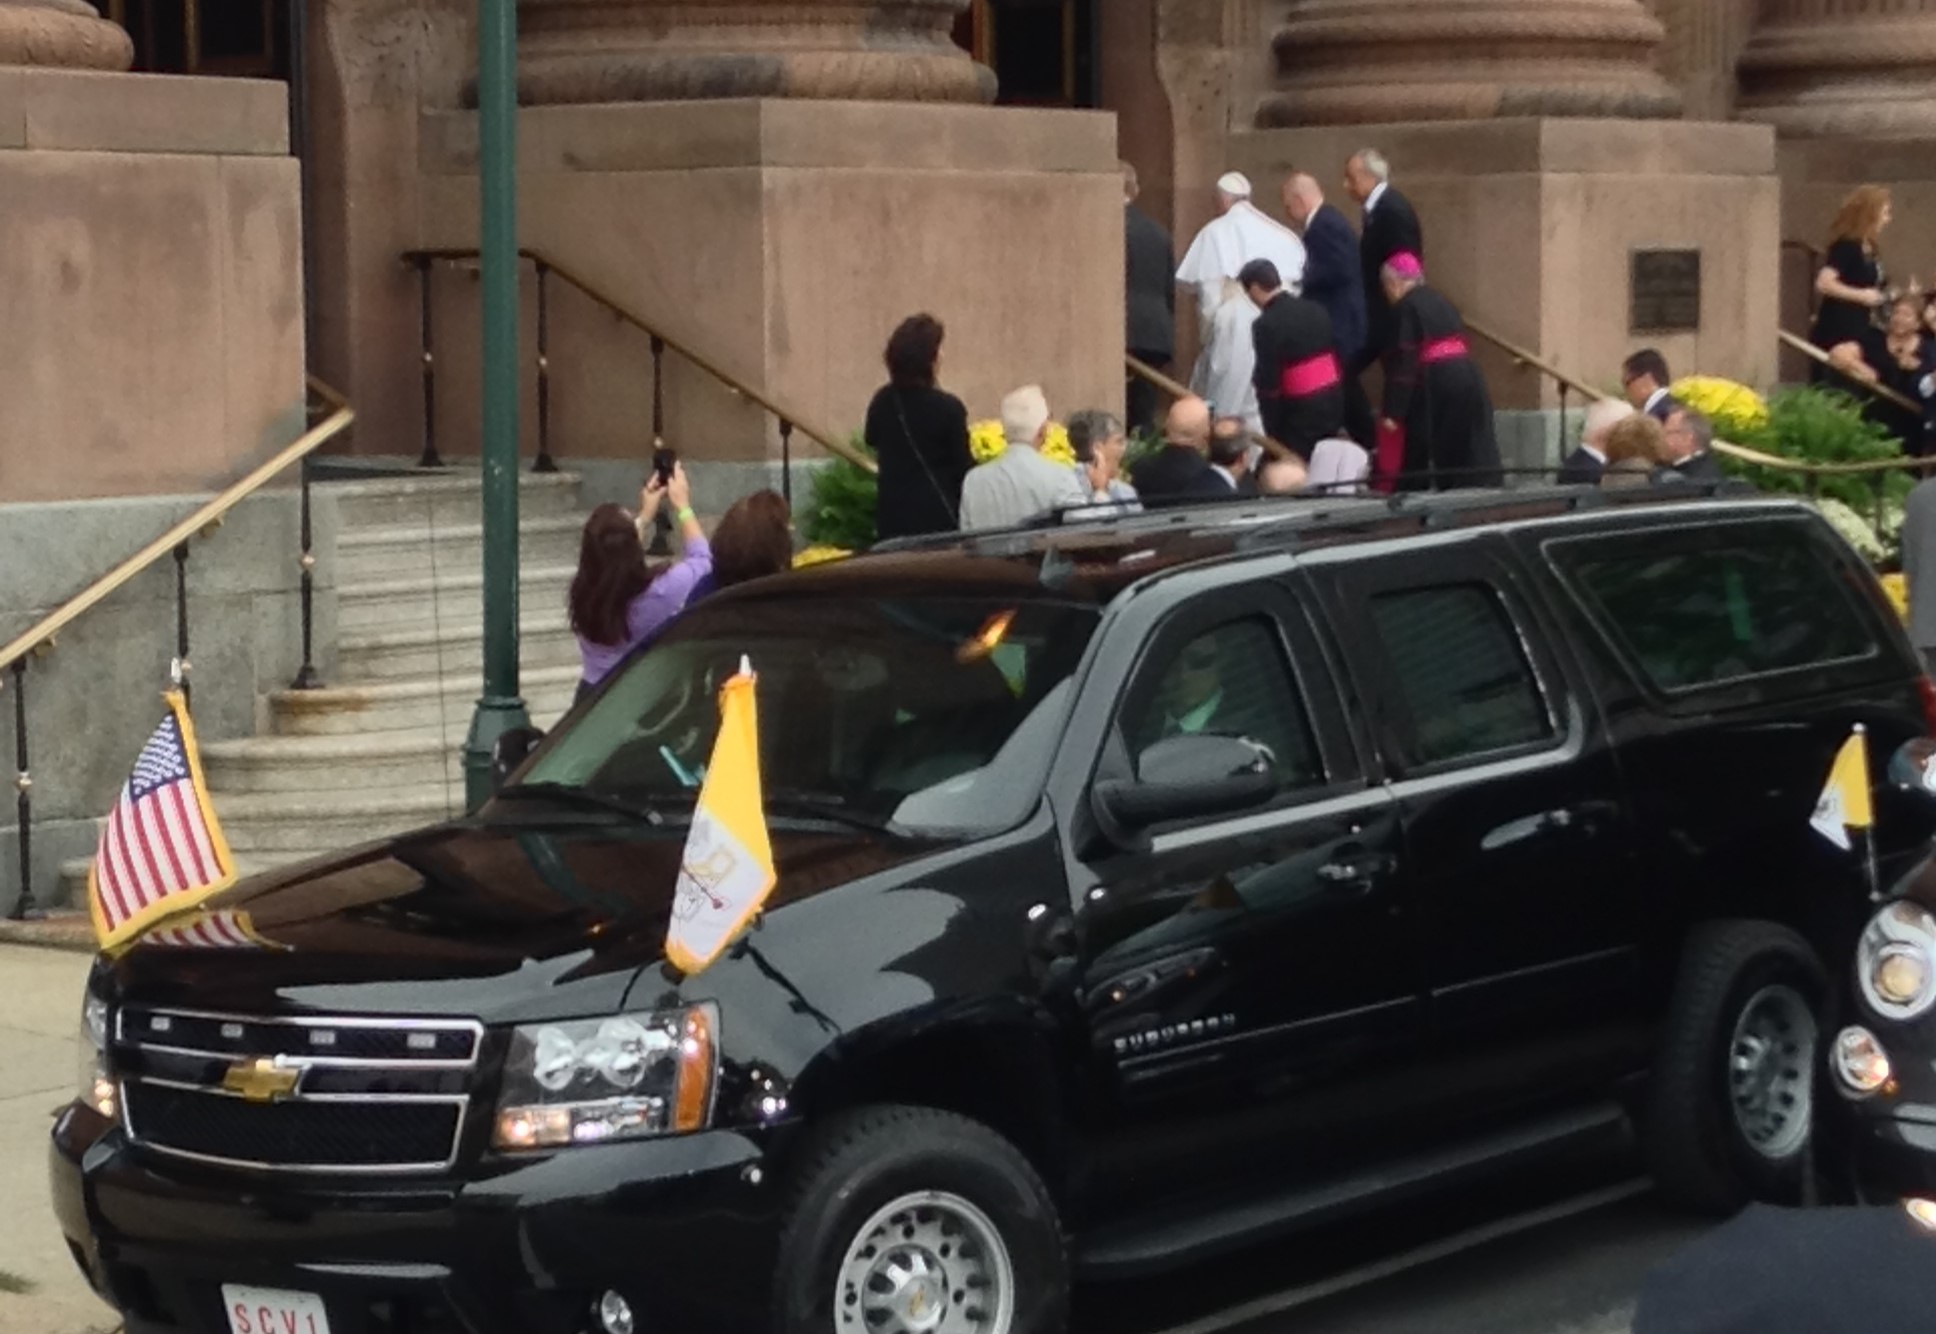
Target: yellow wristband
x=684, y=514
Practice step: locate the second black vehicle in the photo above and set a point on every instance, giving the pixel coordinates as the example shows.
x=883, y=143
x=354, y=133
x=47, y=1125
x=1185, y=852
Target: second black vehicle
x=1145, y=888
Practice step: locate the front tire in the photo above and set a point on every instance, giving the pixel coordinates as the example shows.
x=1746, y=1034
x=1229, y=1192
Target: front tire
x=909, y=1220
x=1731, y=1106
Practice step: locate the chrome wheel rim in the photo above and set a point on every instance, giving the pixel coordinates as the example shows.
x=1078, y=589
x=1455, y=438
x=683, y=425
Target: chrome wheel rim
x=930, y=1262
x=1770, y=1058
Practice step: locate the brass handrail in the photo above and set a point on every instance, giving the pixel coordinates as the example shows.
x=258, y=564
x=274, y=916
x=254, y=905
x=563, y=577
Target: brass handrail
x=839, y=448
x=1533, y=360
x=204, y=516
x=1816, y=354
x=1177, y=389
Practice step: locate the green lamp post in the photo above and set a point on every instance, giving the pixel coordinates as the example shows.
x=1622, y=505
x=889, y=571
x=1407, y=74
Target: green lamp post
x=500, y=708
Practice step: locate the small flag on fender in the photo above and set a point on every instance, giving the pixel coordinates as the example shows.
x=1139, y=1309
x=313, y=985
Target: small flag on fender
x=162, y=850
x=726, y=871
x=1844, y=803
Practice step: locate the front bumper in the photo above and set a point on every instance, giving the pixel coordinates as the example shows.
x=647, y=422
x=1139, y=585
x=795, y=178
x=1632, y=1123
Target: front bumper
x=685, y=1228
x=1877, y=1154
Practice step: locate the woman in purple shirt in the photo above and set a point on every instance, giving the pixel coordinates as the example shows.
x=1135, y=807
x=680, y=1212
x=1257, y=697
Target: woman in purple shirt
x=615, y=604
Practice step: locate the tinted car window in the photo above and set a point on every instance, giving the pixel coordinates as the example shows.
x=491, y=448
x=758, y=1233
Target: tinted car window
x=1744, y=608
x=1461, y=671
x=936, y=715
x=1233, y=681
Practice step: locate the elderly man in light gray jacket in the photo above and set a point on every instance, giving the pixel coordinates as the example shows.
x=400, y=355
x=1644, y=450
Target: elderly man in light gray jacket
x=1020, y=486
x=1919, y=568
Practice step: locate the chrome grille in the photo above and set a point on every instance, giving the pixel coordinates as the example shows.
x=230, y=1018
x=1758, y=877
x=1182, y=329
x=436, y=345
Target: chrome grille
x=309, y=1094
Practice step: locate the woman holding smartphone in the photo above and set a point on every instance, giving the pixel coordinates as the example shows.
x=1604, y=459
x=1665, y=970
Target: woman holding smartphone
x=616, y=602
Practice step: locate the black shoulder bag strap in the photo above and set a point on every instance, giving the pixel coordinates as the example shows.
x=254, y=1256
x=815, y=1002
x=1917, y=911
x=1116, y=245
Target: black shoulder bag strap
x=940, y=494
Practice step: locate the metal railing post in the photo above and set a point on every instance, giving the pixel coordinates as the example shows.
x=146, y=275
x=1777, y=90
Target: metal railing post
x=181, y=664
x=23, y=905
x=545, y=462
x=786, y=461
x=429, y=458
x=1877, y=483
x=1563, y=436
x=307, y=677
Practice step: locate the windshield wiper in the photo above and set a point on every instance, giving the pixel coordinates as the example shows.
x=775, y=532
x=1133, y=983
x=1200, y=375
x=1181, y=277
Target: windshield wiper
x=572, y=795
x=829, y=806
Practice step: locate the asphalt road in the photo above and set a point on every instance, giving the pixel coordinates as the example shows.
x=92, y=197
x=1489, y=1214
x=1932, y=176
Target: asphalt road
x=1564, y=1253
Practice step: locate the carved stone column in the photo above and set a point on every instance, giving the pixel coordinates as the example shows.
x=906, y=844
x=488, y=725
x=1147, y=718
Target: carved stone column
x=665, y=50
x=66, y=34
x=1842, y=67
x=1367, y=61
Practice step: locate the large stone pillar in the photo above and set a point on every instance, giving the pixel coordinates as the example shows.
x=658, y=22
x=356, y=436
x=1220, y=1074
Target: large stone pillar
x=70, y=34
x=1704, y=40
x=670, y=50
x=1842, y=67
x=1344, y=62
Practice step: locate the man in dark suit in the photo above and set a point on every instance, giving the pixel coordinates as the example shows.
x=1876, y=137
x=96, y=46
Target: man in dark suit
x=1298, y=376
x=1689, y=436
x=1150, y=284
x=1229, y=473
x=1645, y=378
x=1585, y=465
x=1332, y=279
x=1178, y=469
x=1390, y=228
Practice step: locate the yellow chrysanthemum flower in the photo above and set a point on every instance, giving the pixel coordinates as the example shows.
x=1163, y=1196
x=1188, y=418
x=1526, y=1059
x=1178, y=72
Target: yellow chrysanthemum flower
x=819, y=555
x=986, y=443
x=1724, y=402
x=1897, y=587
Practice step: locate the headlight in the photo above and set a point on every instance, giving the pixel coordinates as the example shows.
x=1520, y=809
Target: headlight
x=1896, y=961
x=95, y=1088
x=590, y=1080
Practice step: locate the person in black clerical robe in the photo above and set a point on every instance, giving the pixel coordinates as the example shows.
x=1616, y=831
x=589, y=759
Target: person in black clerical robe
x=1300, y=384
x=1437, y=429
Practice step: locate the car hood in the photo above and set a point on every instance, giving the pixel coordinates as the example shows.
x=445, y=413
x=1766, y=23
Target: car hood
x=501, y=922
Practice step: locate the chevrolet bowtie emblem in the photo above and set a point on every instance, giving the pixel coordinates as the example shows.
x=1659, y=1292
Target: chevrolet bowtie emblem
x=261, y=1080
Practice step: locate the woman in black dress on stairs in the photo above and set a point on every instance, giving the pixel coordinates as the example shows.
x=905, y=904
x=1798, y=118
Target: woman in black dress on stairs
x=919, y=435
x=1850, y=281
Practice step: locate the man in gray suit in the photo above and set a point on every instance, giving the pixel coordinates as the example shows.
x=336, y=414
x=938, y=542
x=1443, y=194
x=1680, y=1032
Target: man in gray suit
x=1150, y=282
x=1919, y=567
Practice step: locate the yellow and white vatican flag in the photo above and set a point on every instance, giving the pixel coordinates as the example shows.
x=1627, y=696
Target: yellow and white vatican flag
x=727, y=870
x=1845, y=803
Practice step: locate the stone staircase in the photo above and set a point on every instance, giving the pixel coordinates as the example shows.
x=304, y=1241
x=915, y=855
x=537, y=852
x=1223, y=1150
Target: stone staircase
x=378, y=750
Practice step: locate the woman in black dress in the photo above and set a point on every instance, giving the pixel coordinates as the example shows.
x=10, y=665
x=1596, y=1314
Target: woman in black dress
x=1850, y=282
x=919, y=434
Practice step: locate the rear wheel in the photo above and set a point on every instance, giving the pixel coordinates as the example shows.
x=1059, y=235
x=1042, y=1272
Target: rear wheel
x=1731, y=1106
x=908, y=1220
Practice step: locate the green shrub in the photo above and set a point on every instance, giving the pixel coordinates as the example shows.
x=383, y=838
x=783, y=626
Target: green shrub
x=840, y=505
x=1822, y=426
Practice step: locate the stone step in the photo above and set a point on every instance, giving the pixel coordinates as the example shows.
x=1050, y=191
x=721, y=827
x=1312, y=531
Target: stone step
x=447, y=650
x=442, y=499
x=402, y=763
x=273, y=828
x=418, y=600
x=427, y=707
x=388, y=552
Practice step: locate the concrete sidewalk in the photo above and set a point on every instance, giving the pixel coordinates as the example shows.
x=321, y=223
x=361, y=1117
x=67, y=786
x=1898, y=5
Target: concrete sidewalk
x=40, y=1019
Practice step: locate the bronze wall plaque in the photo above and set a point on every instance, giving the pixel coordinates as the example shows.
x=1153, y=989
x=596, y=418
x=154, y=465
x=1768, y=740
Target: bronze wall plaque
x=1666, y=292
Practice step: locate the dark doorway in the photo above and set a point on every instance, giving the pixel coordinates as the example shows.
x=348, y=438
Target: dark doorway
x=1043, y=52
x=249, y=38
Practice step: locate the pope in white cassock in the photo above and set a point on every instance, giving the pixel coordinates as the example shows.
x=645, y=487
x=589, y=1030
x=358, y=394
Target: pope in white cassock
x=1238, y=234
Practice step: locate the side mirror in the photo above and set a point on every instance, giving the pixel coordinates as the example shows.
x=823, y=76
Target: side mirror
x=1185, y=777
x=512, y=749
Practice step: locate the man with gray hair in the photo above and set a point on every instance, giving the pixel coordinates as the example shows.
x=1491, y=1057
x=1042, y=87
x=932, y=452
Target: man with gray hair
x=1585, y=464
x=1099, y=443
x=1020, y=486
x=1688, y=437
x=1390, y=228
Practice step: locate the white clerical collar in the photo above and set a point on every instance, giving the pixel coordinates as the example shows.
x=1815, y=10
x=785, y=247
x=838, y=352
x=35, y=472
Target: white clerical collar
x=1654, y=398
x=1226, y=474
x=1377, y=193
x=1599, y=455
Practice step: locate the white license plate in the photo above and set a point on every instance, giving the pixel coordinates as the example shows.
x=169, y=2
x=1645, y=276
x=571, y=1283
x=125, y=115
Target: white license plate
x=273, y=1311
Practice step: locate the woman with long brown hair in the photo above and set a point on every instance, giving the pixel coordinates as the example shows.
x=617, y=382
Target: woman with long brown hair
x=615, y=603
x=1850, y=281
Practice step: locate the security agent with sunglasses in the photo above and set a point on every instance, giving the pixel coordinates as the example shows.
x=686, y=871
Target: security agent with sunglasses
x=1645, y=377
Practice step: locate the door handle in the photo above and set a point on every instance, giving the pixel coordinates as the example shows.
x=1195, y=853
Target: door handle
x=1586, y=817
x=1360, y=872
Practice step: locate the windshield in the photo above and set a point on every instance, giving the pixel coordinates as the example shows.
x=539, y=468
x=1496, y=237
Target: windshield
x=932, y=716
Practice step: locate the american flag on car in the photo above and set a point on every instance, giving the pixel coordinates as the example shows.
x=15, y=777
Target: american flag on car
x=161, y=851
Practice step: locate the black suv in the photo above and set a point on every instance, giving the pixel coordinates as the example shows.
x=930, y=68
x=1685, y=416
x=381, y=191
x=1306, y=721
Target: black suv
x=1146, y=886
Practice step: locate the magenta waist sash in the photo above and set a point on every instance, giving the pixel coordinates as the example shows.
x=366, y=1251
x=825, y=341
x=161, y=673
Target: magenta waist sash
x=1311, y=376
x=1442, y=349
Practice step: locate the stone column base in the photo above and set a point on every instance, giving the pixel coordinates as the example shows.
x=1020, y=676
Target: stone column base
x=1529, y=226
x=784, y=240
